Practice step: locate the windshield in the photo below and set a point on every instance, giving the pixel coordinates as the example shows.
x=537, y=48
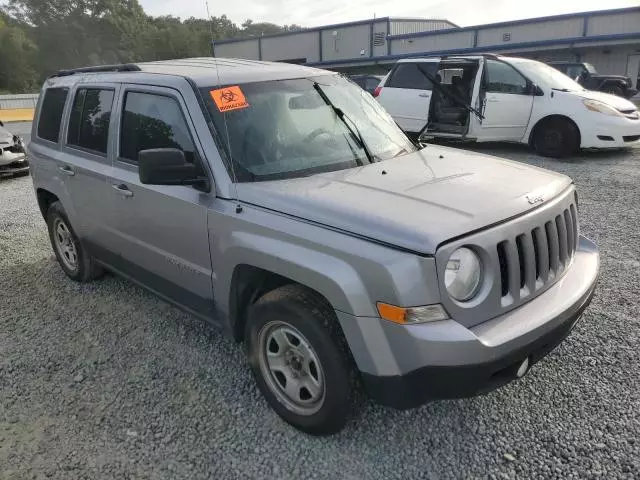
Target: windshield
x=285, y=128
x=590, y=68
x=545, y=76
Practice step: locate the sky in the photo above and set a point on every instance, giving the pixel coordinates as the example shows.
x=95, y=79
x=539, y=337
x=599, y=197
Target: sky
x=311, y=13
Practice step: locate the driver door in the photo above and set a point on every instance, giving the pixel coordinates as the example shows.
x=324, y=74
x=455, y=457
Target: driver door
x=162, y=230
x=506, y=99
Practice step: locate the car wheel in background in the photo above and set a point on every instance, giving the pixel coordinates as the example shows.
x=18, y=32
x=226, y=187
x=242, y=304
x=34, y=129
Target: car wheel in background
x=71, y=254
x=556, y=137
x=614, y=90
x=300, y=359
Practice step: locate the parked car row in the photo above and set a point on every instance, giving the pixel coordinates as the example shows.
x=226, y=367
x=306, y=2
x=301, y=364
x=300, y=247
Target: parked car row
x=496, y=98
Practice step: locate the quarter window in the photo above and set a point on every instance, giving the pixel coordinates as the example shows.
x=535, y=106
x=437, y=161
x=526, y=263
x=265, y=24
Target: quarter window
x=153, y=121
x=408, y=75
x=51, y=113
x=500, y=77
x=89, y=120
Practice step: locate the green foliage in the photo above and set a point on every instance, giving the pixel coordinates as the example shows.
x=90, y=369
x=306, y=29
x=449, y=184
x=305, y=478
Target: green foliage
x=39, y=37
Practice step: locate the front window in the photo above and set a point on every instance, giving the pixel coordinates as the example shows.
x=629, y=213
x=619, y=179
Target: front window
x=285, y=128
x=576, y=72
x=502, y=78
x=546, y=76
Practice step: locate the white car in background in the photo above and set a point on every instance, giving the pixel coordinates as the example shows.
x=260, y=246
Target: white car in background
x=486, y=98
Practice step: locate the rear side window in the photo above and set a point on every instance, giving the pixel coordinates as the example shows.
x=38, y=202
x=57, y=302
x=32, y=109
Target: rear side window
x=153, y=121
x=89, y=120
x=51, y=113
x=408, y=75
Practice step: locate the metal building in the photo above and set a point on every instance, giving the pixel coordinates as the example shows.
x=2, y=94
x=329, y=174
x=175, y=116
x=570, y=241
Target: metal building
x=609, y=39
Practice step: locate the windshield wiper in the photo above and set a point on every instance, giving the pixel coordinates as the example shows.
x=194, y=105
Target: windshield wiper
x=346, y=120
x=562, y=90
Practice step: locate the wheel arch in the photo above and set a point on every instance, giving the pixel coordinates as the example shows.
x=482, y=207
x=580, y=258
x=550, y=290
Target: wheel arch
x=616, y=82
x=45, y=199
x=254, y=271
x=548, y=118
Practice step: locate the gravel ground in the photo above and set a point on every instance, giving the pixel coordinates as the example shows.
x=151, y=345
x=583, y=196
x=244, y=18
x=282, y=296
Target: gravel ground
x=106, y=381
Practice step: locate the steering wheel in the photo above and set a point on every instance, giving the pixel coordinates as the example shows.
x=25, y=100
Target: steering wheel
x=317, y=132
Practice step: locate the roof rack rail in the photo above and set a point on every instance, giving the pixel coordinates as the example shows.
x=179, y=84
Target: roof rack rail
x=458, y=55
x=125, y=67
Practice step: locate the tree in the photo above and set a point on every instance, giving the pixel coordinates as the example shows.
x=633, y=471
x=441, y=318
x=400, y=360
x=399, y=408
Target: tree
x=17, y=60
x=40, y=37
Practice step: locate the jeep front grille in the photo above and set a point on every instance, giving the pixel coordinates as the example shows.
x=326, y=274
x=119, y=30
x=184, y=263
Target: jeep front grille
x=536, y=257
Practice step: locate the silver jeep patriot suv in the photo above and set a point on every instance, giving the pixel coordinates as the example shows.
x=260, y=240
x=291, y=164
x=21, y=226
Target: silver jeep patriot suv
x=283, y=204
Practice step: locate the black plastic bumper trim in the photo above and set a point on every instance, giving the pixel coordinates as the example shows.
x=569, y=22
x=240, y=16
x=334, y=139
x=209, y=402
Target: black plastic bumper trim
x=446, y=382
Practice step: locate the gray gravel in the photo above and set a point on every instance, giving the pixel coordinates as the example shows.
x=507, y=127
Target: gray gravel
x=106, y=381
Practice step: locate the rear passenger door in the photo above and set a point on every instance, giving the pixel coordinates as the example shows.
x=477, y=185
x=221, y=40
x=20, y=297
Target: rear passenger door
x=86, y=163
x=163, y=235
x=406, y=94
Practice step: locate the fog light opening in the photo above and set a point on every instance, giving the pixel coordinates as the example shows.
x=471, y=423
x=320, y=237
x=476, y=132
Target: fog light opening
x=523, y=368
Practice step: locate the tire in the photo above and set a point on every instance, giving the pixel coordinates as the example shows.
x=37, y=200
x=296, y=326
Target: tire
x=273, y=324
x=615, y=90
x=556, y=138
x=72, y=256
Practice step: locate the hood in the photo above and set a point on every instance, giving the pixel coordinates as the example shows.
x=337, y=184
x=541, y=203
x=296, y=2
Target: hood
x=414, y=202
x=6, y=136
x=616, y=102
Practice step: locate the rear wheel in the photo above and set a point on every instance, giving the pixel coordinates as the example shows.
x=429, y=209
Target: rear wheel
x=300, y=360
x=557, y=138
x=74, y=259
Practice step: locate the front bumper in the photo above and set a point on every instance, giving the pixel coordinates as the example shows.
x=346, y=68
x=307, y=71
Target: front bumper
x=610, y=132
x=16, y=167
x=447, y=360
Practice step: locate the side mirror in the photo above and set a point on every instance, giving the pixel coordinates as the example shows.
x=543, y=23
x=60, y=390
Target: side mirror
x=535, y=90
x=167, y=166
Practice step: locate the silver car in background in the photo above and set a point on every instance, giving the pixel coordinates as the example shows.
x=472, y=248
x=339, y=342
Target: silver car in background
x=13, y=159
x=283, y=204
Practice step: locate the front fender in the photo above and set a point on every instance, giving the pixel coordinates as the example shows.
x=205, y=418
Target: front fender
x=330, y=276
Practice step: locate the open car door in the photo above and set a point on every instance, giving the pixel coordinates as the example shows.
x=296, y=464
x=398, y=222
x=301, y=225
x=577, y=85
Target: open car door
x=505, y=100
x=452, y=98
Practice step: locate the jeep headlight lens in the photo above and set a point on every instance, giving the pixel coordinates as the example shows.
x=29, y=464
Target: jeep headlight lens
x=601, y=107
x=463, y=274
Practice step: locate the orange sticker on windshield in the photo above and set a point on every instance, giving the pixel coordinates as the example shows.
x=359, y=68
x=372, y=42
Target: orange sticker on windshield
x=229, y=98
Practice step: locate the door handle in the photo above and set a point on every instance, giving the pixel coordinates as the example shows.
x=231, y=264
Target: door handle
x=492, y=100
x=123, y=190
x=67, y=170
x=424, y=95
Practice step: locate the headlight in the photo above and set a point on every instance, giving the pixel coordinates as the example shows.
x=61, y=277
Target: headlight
x=463, y=274
x=601, y=107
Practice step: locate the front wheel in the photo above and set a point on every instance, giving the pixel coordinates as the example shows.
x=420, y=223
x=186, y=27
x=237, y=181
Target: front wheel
x=556, y=138
x=615, y=90
x=300, y=360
